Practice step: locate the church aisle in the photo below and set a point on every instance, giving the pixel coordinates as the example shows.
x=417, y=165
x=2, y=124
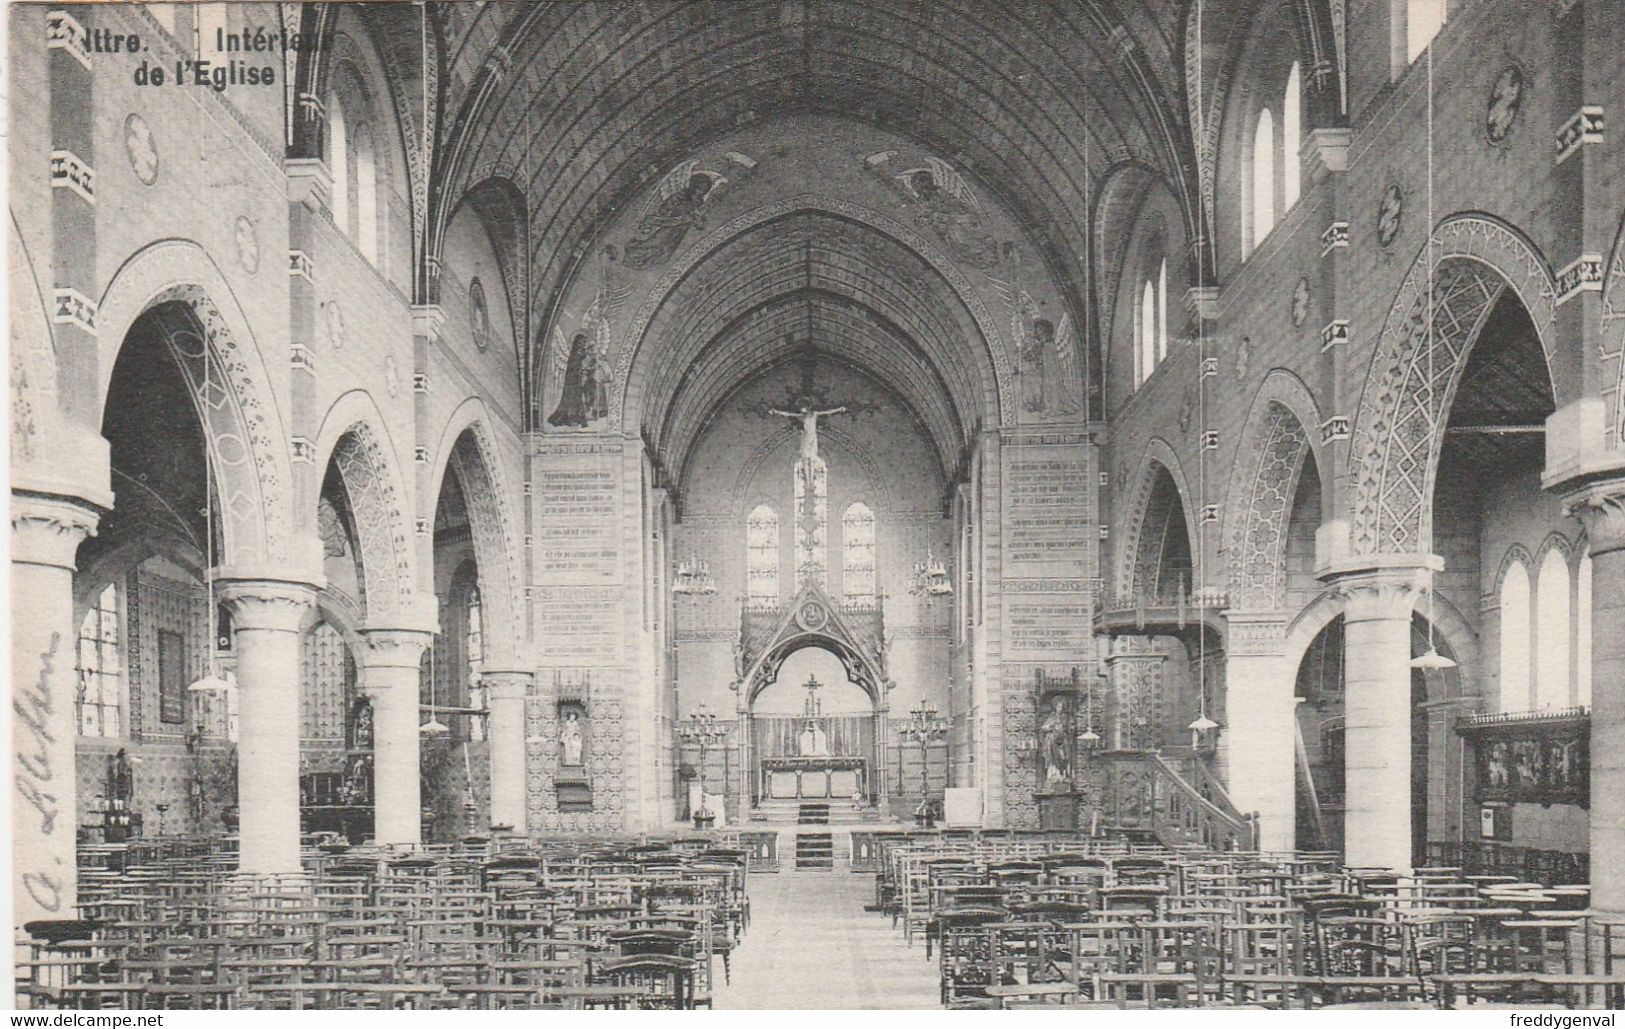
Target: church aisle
x=811, y=945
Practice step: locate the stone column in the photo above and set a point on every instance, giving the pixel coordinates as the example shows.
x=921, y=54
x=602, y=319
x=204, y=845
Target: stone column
x=1378, y=602
x=505, y=691
x=45, y=534
x=267, y=616
x=1601, y=507
x=390, y=664
x=1260, y=730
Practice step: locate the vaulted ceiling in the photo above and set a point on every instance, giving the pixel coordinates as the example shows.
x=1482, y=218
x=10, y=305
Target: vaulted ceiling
x=585, y=105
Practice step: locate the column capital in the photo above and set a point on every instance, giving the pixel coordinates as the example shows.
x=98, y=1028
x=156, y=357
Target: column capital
x=1382, y=585
x=1259, y=633
x=1600, y=507
x=47, y=530
x=506, y=683
x=274, y=605
x=394, y=648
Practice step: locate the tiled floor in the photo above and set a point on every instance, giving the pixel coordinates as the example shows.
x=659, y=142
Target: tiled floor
x=811, y=945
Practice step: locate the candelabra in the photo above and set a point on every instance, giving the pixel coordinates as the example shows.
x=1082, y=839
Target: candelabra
x=930, y=578
x=703, y=729
x=694, y=578
x=924, y=725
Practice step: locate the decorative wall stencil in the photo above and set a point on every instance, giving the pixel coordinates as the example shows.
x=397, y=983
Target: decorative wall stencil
x=140, y=149
x=392, y=375
x=1187, y=410
x=1390, y=215
x=375, y=505
x=1504, y=103
x=1021, y=776
x=1396, y=435
x=327, y=684
x=1257, y=545
x=1300, y=302
x=678, y=205
x=247, y=239
x=941, y=200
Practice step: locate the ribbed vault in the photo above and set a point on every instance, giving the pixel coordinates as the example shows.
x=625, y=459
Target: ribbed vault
x=586, y=105
x=811, y=281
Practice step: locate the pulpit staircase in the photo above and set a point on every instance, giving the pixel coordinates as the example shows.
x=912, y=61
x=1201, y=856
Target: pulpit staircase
x=1173, y=795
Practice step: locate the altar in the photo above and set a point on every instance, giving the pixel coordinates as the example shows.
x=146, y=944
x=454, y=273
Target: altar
x=813, y=778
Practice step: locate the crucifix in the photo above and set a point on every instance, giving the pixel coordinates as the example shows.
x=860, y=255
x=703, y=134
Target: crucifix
x=813, y=707
x=809, y=428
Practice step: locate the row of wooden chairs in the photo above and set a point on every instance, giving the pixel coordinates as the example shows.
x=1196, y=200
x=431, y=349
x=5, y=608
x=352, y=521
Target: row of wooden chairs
x=1040, y=922
x=576, y=923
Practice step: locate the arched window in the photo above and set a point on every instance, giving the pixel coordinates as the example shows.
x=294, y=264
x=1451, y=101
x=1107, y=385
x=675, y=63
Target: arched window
x=1515, y=638
x=1263, y=176
x=101, y=665
x=1162, y=311
x=1291, y=138
x=1423, y=20
x=474, y=635
x=858, y=554
x=366, y=193
x=1552, y=627
x=1582, y=634
x=338, y=161
x=1147, y=356
x=762, y=555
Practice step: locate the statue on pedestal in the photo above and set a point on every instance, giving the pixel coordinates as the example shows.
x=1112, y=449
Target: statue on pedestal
x=570, y=741
x=1055, y=742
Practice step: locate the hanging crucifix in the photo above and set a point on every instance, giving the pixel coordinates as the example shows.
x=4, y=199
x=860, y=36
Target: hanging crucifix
x=809, y=428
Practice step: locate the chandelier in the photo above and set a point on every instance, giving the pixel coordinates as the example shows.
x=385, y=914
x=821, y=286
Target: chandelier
x=930, y=578
x=694, y=578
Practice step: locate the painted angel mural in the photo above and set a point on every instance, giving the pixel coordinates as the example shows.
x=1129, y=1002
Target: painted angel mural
x=1045, y=349
x=677, y=206
x=941, y=199
x=584, y=361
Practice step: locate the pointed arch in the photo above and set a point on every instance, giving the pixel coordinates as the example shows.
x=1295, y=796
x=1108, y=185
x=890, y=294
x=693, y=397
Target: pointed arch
x=225, y=371
x=354, y=440
x=1405, y=403
x=468, y=446
x=1278, y=436
x=1158, y=463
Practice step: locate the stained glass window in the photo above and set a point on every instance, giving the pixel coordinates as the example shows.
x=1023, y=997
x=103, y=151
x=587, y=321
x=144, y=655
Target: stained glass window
x=858, y=554
x=762, y=555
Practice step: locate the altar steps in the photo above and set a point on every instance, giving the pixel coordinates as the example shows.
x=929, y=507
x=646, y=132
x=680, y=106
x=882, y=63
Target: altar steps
x=815, y=851
x=813, y=814
x=788, y=812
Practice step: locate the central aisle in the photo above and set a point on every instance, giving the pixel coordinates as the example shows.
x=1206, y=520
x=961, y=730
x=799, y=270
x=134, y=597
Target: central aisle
x=811, y=945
